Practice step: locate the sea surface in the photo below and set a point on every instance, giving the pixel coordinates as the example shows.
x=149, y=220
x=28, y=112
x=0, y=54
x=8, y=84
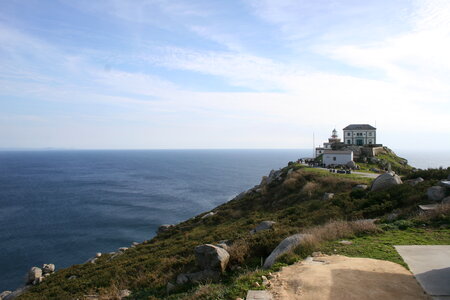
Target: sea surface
x=62, y=207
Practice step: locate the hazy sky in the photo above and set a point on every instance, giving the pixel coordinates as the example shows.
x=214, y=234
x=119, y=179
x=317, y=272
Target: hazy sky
x=222, y=74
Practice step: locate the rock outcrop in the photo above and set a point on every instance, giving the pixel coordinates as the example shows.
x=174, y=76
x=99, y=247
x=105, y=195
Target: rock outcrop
x=436, y=193
x=285, y=246
x=414, y=181
x=385, y=181
x=34, y=275
x=264, y=225
x=210, y=257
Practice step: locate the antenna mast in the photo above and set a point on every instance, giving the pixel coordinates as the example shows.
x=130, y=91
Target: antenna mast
x=314, y=145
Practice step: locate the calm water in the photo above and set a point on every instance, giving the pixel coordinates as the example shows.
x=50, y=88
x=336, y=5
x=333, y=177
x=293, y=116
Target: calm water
x=62, y=207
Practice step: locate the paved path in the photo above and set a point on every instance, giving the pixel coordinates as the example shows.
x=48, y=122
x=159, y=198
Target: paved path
x=258, y=295
x=431, y=267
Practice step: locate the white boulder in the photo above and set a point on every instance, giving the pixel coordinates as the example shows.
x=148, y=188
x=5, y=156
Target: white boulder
x=385, y=181
x=210, y=257
x=285, y=246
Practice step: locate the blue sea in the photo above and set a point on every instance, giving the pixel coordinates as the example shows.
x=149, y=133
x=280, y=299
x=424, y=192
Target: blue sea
x=62, y=207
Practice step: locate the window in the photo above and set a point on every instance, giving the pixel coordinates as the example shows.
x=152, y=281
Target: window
x=349, y=142
x=370, y=133
x=348, y=133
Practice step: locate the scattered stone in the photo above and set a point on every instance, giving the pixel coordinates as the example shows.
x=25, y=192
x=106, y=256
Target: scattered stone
x=414, y=181
x=124, y=293
x=210, y=257
x=34, y=274
x=264, y=225
x=344, y=242
x=328, y=196
x=445, y=183
x=164, y=228
x=48, y=268
x=265, y=281
x=72, y=277
x=317, y=254
x=205, y=275
x=98, y=254
x=134, y=244
x=123, y=249
x=428, y=207
x=360, y=187
x=285, y=246
x=4, y=294
x=257, y=284
x=210, y=214
x=436, y=193
x=238, y=298
x=170, y=287
x=385, y=181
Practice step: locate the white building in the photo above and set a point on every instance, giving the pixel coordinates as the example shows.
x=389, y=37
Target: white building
x=327, y=146
x=360, y=134
x=337, y=157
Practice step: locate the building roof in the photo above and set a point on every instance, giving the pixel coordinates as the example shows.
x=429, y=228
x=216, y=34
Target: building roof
x=359, y=127
x=337, y=152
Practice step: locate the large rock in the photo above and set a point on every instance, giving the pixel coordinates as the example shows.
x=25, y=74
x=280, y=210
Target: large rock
x=4, y=294
x=285, y=246
x=210, y=257
x=264, y=225
x=205, y=275
x=34, y=274
x=446, y=200
x=385, y=181
x=414, y=181
x=48, y=268
x=436, y=193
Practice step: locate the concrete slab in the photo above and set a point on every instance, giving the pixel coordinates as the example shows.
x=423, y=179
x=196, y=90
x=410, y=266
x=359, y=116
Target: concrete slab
x=258, y=295
x=431, y=267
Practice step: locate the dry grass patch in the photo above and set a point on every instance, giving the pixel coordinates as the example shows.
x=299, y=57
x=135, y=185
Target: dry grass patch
x=342, y=229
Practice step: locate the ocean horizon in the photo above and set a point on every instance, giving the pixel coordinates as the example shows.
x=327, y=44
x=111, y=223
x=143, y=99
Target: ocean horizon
x=63, y=206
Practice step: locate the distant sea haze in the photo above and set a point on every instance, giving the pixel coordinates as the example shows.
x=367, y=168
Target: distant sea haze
x=62, y=207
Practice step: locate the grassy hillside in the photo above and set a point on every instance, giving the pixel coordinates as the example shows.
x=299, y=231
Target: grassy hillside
x=294, y=201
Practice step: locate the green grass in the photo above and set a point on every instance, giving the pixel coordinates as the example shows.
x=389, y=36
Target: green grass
x=381, y=246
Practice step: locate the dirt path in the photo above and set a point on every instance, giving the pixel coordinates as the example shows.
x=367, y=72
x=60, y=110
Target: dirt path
x=344, y=278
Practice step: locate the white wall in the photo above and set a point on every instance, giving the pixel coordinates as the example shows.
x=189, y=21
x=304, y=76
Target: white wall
x=340, y=158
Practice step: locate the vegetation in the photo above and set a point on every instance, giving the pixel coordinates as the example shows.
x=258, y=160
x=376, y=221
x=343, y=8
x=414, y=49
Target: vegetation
x=295, y=202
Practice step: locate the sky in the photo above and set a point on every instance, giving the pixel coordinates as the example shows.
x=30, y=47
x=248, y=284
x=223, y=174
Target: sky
x=157, y=74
